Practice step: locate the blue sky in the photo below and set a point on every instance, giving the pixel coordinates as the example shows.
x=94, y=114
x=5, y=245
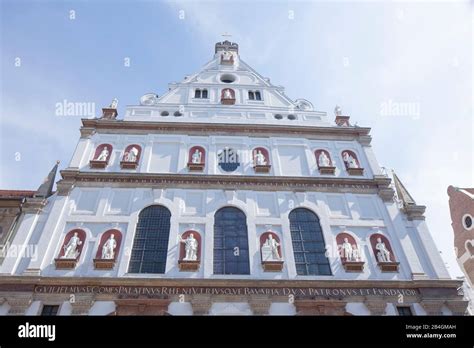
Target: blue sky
x=367, y=56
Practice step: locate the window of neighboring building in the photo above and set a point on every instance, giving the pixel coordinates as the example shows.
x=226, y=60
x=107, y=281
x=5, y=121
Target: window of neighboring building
x=308, y=243
x=404, y=310
x=150, y=245
x=50, y=310
x=231, y=247
x=467, y=221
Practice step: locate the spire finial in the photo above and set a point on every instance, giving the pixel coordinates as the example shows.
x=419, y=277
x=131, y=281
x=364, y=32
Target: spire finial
x=46, y=188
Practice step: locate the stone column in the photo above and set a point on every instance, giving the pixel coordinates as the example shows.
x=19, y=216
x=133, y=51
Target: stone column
x=19, y=303
x=432, y=307
x=260, y=304
x=82, y=304
x=457, y=307
x=201, y=304
x=320, y=307
x=376, y=306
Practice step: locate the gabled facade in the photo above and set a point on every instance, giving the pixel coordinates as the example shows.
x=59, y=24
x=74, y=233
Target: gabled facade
x=224, y=196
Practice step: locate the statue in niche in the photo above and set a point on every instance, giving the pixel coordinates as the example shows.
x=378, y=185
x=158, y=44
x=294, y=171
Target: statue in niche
x=383, y=254
x=227, y=56
x=324, y=160
x=349, y=160
x=260, y=159
x=348, y=252
x=104, y=154
x=70, y=249
x=196, y=157
x=108, y=249
x=190, y=246
x=132, y=155
x=270, y=249
x=337, y=110
x=227, y=94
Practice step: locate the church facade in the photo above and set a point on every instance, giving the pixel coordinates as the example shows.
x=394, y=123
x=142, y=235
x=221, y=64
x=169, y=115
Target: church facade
x=224, y=196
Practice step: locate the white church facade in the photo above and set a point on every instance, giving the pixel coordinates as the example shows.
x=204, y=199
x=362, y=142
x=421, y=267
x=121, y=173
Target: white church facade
x=224, y=196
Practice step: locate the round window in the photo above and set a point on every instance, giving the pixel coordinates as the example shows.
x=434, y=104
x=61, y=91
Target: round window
x=227, y=78
x=278, y=116
x=292, y=117
x=177, y=113
x=165, y=113
x=467, y=221
x=228, y=160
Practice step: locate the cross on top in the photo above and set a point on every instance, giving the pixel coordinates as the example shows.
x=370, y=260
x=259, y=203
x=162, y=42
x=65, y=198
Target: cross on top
x=226, y=34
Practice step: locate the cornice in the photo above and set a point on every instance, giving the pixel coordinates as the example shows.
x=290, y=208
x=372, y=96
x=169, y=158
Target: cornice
x=7, y=281
x=74, y=178
x=202, y=128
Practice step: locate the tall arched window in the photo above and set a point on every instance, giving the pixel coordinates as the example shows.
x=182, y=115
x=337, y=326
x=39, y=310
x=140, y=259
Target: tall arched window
x=308, y=243
x=231, y=247
x=150, y=245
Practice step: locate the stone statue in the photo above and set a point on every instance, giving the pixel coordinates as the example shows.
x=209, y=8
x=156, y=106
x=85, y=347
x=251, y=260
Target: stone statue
x=132, y=155
x=114, y=104
x=197, y=155
x=270, y=250
x=108, y=249
x=349, y=160
x=104, y=154
x=227, y=94
x=383, y=255
x=348, y=251
x=324, y=160
x=260, y=159
x=190, y=246
x=338, y=110
x=70, y=249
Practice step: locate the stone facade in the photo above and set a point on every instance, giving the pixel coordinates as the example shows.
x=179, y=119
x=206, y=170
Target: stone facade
x=104, y=188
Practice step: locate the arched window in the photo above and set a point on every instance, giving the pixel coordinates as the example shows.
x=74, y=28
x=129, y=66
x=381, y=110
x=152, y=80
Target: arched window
x=308, y=243
x=231, y=247
x=251, y=95
x=150, y=245
x=204, y=93
x=258, y=95
x=197, y=93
